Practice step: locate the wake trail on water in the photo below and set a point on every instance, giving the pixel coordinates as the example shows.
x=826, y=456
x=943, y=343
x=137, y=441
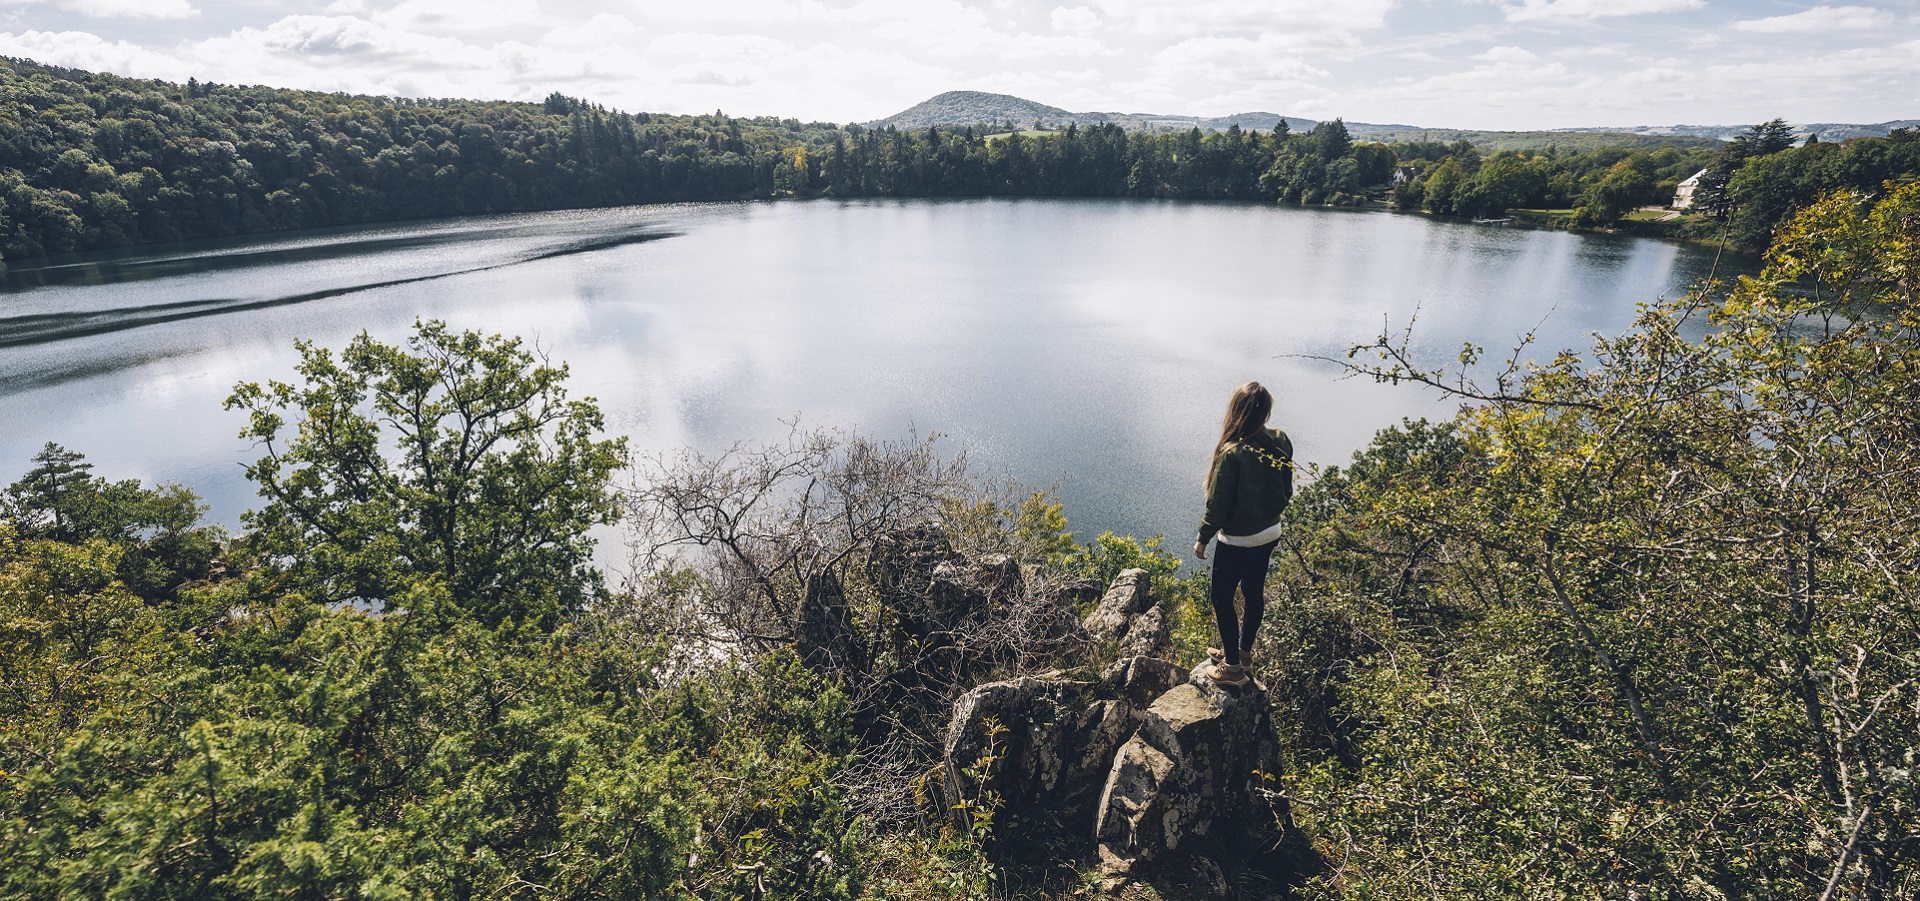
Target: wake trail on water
x=44, y=328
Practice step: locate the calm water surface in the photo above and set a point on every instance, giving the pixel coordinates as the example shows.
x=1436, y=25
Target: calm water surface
x=1087, y=343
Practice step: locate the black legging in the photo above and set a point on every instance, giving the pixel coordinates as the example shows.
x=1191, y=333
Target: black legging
x=1245, y=567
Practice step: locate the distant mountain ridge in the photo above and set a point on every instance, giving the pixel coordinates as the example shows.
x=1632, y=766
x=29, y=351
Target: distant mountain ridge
x=982, y=108
x=1828, y=131
x=958, y=108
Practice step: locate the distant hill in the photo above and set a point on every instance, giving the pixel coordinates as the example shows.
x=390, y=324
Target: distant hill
x=958, y=108
x=976, y=107
x=1828, y=131
x=1569, y=139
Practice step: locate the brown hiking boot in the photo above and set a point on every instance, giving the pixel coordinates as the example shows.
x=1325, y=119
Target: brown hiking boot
x=1228, y=674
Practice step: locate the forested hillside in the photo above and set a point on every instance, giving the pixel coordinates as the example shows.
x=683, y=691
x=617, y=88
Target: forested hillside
x=1602, y=185
x=967, y=109
x=1490, y=141
x=92, y=161
x=1641, y=623
x=1749, y=187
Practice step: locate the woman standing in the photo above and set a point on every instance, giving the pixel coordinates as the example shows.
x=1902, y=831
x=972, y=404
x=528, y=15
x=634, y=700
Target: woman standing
x=1249, y=485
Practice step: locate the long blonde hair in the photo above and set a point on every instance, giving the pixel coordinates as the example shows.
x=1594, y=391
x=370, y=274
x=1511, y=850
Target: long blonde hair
x=1247, y=414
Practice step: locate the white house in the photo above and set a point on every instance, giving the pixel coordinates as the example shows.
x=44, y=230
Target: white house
x=1683, y=194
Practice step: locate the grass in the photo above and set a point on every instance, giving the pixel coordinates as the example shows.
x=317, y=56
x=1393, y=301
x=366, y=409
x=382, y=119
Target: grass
x=1542, y=214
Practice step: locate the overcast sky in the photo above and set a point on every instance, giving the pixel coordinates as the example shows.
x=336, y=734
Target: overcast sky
x=1440, y=63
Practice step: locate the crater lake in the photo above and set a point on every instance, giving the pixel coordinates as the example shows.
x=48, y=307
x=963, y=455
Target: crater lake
x=1084, y=344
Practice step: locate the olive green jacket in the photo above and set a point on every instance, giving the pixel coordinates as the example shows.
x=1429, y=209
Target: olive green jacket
x=1252, y=483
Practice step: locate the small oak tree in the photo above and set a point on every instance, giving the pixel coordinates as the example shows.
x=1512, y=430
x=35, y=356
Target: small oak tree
x=457, y=459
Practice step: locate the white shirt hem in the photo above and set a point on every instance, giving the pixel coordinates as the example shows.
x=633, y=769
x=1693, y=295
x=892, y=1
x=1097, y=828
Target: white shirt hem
x=1257, y=539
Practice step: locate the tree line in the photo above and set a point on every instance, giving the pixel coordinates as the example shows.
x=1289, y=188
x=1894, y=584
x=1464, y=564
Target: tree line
x=92, y=160
x=1747, y=189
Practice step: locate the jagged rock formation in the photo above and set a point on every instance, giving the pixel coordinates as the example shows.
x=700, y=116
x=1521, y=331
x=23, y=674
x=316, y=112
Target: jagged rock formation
x=1200, y=752
x=1037, y=743
x=1128, y=619
x=1138, y=759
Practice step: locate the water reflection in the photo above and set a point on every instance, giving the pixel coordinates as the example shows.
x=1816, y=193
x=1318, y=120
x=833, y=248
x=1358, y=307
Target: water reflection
x=1087, y=342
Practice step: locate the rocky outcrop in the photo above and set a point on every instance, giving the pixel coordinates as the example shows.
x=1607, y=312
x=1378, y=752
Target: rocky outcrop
x=1044, y=744
x=1129, y=620
x=1129, y=596
x=1149, y=635
x=1200, y=751
x=1139, y=759
x=1037, y=743
x=1141, y=679
x=960, y=587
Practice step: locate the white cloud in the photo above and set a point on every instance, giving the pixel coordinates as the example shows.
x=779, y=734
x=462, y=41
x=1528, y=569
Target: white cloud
x=1075, y=18
x=1480, y=63
x=131, y=9
x=465, y=16
x=753, y=12
x=1548, y=10
x=1222, y=75
x=83, y=50
x=948, y=29
x=601, y=29
x=1820, y=19
x=1507, y=55
x=1303, y=19
x=343, y=36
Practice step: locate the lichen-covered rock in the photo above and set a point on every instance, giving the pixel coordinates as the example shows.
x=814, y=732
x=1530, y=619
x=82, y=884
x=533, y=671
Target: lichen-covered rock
x=1148, y=635
x=828, y=640
x=1207, y=875
x=1050, y=754
x=1140, y=679
x=1130, y=595
x=1200, y=749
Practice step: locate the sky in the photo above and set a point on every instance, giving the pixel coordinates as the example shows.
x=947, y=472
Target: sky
x=1484, y=64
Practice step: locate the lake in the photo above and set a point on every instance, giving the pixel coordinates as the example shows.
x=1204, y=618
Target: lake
x=1088, y=344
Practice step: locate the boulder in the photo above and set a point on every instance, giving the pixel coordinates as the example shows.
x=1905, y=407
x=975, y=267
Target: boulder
x=1127, y=618
x=1138, y=680
x=1148, y=635
x=959, y=587
x=1049, y=754
x=828, y=640
x=1129, y=596
x=1196, y=759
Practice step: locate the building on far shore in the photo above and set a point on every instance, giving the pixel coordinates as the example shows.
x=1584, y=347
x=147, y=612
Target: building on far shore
x=1683, y=194
x=1404, y=174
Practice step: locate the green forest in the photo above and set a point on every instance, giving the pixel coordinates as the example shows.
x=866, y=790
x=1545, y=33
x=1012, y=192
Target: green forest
x=91, y=161
x=1636, y=623
x=1749, y=187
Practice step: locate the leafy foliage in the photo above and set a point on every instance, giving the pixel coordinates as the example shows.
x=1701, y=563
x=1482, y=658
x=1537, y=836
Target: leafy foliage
x=155, y=532
x=1600, y=184
x=493, y=483
x=91, y=160
x=1635, y=626
x=232, y=738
